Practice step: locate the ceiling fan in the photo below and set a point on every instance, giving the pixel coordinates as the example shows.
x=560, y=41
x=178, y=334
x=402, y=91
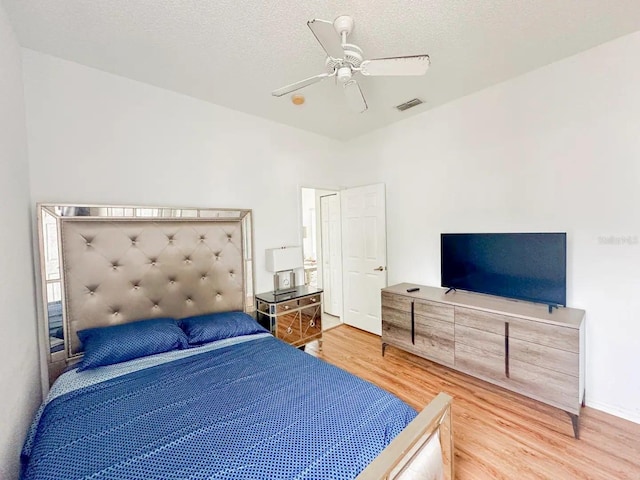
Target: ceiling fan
x=345, y=60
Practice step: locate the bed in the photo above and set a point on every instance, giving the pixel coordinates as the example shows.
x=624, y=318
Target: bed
x=242, y=406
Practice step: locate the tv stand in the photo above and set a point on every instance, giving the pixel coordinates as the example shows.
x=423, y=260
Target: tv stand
x=519, y=346
x=451, y=289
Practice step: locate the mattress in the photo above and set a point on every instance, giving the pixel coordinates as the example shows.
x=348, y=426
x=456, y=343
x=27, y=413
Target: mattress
x=245, y=408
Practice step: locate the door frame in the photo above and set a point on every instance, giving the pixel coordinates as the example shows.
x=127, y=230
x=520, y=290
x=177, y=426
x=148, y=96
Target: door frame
x=319, y=271
x=337, y=265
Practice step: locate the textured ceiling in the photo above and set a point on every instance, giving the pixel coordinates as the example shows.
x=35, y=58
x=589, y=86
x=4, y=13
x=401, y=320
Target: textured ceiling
x=235, y=52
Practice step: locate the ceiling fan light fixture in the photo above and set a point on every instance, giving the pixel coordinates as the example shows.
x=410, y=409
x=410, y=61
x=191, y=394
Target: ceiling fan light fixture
x=344, y=74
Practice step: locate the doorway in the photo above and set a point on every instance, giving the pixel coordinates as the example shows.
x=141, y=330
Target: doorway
x=322, y=249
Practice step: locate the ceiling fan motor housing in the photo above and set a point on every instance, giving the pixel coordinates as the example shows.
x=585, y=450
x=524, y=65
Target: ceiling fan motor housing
x=353, y=56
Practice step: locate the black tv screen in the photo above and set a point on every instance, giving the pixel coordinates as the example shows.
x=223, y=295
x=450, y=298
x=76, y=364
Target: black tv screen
x=525, y=266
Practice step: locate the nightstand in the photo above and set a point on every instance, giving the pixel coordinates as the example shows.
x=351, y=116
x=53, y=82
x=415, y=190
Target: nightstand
x=294, y=317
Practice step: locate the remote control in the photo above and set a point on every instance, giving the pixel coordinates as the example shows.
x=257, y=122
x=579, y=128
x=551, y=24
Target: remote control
x=413, y=289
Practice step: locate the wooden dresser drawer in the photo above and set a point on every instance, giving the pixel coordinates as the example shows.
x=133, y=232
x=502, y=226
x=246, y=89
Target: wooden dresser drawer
x=396, y=318
x=546, y=357
x=489, y=322
x=434, y=338
x=396, y=327
x=397, y=302
x=482, y=361
x=395, y=335
x=554, y=336
x=553, y=387
x=473, y=337
x=437, y=311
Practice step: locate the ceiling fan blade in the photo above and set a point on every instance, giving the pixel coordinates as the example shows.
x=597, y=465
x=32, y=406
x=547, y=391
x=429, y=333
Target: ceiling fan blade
x=413, y=65
x=298, y=85
x=355, y=98
x=327, y=37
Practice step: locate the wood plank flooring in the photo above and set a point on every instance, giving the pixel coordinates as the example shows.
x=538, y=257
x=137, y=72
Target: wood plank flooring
x=498, y=434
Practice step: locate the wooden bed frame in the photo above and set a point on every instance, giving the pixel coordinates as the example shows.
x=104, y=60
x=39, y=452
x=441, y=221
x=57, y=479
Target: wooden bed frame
x=115, y=264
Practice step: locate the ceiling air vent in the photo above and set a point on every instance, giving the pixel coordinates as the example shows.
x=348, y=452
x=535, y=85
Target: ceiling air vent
x=410, y=104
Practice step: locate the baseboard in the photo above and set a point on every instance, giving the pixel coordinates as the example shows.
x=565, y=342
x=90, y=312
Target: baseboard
x=616, y=411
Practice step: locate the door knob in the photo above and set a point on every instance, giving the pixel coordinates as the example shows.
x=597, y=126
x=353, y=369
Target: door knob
x=379, y=269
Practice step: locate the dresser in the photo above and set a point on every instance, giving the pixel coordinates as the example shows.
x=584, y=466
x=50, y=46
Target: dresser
x=294, y=317
x=519, y=346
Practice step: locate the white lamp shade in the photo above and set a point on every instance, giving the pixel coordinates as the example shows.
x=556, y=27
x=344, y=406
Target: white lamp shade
x=284, y=258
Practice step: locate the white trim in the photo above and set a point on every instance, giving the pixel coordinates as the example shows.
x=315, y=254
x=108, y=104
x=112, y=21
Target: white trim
x=616, y=411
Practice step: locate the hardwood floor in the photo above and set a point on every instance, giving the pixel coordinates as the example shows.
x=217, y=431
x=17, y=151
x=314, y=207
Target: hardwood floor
x=498, y=434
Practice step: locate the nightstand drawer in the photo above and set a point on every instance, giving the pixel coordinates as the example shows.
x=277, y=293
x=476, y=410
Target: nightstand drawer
x=286, y=306
x=310, y=300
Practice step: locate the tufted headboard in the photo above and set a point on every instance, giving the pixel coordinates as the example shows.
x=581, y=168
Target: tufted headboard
x=121, y=264
x=117, y=272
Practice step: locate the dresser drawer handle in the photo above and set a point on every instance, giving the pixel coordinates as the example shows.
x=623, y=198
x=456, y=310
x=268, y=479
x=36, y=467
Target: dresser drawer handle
x=312, y=323
x=286, y=307
x=313, y=299
x=289, y=331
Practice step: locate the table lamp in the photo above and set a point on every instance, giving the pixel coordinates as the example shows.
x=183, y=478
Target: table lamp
x=283, y=262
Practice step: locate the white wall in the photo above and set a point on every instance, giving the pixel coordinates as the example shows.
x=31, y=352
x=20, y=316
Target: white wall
x=99, y=138
x=557, y=149
x=19, y=365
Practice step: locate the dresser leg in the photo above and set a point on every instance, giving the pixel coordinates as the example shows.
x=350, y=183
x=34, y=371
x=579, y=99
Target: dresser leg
x=584, y=399
x=575, y=421
x=384, y=345
x=320, y=345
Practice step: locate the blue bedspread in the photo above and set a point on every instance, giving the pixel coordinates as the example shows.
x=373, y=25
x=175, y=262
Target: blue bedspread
x=256, y=410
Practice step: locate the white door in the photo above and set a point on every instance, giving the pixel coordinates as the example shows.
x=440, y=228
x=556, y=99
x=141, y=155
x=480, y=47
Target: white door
x=331, y=255
x=364, y=255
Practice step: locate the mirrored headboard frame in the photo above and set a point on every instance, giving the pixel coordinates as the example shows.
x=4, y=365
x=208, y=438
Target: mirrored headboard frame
x=52, y=271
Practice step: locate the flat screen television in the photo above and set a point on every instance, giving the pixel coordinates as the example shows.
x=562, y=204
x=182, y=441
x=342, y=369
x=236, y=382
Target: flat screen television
x=524, y=266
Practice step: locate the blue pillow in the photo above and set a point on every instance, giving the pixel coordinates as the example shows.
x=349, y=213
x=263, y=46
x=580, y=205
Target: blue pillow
x=119, y=343
x=216, y=326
